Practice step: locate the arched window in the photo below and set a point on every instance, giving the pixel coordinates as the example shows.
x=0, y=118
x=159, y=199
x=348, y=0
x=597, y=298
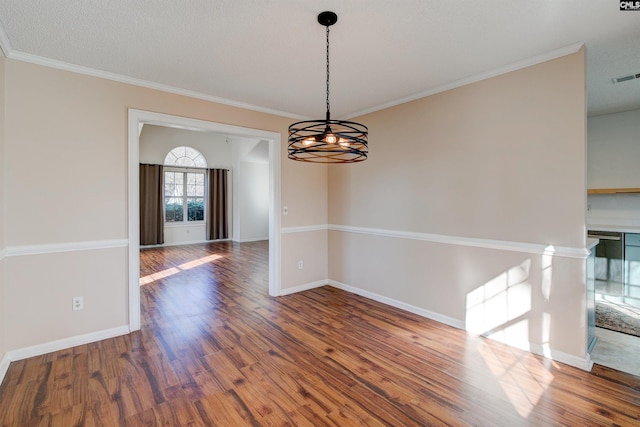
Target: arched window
x=185, y=157
x=184, y=188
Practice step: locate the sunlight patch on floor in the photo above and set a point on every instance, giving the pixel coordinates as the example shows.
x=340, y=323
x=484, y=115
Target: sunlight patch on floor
x=175, y=270
x=198, y=262
x=522, y=377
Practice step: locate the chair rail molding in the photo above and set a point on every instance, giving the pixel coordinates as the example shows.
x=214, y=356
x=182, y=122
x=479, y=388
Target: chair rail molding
x=53, y=248
x=505, y=245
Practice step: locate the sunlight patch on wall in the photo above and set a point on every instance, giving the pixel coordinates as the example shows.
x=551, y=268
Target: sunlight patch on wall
x=495, y=308
x=546, y=334
x=547, y=261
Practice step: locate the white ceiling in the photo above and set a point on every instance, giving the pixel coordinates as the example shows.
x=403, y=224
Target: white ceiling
x=269, y=55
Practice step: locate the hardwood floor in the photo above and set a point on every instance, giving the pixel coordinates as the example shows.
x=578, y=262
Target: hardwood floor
x=215, y=349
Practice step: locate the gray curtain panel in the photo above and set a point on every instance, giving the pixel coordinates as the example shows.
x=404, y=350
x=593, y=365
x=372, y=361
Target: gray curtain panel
x=151, y=205
x=217, y=218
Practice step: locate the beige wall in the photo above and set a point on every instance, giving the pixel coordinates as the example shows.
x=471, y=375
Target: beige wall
x=501, y=160
x=612, y=162
x=306, y=198
x=310, y=248
x=66, y=181
x=2, y=213
x=253, y=203
x=306, y=202
x=40, y=289
x=613, y=150
x=157, y=141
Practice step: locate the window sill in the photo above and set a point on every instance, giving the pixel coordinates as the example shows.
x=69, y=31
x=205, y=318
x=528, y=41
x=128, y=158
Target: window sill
x=183, y=224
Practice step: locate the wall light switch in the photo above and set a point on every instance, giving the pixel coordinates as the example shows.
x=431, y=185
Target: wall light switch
x=285, y=210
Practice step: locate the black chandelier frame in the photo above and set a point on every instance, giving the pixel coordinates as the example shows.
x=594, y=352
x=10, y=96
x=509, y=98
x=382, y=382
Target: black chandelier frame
x=328, y=141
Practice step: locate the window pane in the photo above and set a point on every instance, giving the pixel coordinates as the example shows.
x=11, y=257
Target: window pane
x=195, y=184
x=185, y=156
x=185, y=161
x=191, y=153
x=173, y=209
x=169, y=183
x=195, y=209
x=169, y=177
x=200, y=161
x=173, y=178
x=173, y=184
x=170, y=159
x=173, y=191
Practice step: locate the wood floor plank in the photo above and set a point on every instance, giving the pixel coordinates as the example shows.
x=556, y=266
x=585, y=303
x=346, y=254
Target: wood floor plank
x=216, y=350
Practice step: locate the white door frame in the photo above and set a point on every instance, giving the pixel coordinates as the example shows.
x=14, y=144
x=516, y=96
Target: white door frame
x=137, y=118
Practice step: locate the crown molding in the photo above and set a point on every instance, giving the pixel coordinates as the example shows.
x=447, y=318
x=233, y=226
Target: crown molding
x=65, y=66
x=538, y=59
x=5, y=44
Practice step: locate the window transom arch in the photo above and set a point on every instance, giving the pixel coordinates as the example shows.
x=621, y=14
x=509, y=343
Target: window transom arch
x=184, y=156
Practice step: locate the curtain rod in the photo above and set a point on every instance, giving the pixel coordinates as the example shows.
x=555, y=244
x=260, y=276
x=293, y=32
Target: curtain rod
x=184, y=167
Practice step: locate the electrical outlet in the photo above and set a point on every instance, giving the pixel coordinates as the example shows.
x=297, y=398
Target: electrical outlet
x=300, y=265
x=78, y=303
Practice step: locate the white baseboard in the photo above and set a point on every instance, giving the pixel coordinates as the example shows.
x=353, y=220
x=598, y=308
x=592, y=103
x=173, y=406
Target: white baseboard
x=578, y=362
x=189, y=242
x=51, y=346
x=304, y=287
x=584, y=363
x=4, y=366
x=401, y=305
x=256, y=239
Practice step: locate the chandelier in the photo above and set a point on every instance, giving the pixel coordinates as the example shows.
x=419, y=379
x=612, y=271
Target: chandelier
x=328, y=141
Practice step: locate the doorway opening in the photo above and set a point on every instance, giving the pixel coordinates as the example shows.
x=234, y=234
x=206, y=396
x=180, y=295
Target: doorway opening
x=137, y=119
